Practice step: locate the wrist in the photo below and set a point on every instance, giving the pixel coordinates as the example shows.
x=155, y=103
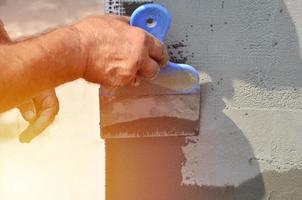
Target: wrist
x=62, y=51
x=86, y=42
x=80, y=53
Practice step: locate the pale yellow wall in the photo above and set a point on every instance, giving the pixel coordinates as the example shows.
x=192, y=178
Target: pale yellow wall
x=67, y=161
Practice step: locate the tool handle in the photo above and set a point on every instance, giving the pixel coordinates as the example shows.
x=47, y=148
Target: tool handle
x=153, y=18
x=156, y=19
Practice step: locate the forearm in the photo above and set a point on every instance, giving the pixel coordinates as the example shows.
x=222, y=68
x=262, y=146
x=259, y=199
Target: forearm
x=37, y=64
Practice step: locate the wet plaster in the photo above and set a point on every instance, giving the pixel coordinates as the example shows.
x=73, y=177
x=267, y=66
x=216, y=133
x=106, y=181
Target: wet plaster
x=150, y=168
x=248, y=54
x=249, y=144
x=278, y=186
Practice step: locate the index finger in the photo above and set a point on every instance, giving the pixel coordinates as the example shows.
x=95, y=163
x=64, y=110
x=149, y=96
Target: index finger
x=47, y=113
x=28, y=110
x=157, y=51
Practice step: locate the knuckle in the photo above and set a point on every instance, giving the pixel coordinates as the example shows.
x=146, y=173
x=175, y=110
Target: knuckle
x=127, y=77
x=128, y=74
x=138, y=62
x=141, y=36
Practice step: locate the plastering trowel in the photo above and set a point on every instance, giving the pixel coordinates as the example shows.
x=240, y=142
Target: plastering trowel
x=169, y=105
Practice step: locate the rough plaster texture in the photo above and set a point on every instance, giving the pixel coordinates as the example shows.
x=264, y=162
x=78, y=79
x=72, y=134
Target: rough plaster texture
x=249, y=147
x=248, y=53
x=66, y=162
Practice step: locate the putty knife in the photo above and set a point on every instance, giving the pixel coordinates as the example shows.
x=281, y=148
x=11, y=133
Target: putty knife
x=169, y=105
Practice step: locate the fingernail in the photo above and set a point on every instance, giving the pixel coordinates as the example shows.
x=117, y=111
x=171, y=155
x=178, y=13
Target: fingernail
x=155, y=75
x=29, y=115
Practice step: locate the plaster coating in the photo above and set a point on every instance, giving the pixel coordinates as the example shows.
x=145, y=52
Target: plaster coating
x=248, y=54
x=249, y=145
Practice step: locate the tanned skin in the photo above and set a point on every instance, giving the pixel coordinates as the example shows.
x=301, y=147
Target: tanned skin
x=101, y=49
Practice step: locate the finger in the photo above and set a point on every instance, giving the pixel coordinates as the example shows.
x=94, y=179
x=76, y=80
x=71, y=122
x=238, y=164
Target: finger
x=28, y=110
x=38, y=126
x=46, y=100
x=158, y=51
x=149, y=69
x=48, y=107
x=4, y=38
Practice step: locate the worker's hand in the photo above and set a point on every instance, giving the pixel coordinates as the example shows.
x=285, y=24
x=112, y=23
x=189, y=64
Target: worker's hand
x=118, y=54
x=40, y=113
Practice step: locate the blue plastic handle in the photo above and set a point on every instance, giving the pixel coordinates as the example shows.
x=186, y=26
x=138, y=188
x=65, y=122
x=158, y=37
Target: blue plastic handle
x=153, y=18
x=156, y=19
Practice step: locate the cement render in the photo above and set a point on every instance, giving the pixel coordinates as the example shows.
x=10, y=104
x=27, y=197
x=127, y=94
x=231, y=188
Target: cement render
x=248, y=54
x=278, y=186
x=150, y=168
x=249, y=147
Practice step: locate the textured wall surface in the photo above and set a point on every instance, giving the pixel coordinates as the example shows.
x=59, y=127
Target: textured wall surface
x=248, y=53
x=249, y=146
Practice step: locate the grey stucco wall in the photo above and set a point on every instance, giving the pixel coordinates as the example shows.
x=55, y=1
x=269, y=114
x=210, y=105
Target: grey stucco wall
x=249, y=58
x=249, y=146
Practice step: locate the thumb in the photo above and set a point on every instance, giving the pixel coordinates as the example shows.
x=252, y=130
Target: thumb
x=28, y=110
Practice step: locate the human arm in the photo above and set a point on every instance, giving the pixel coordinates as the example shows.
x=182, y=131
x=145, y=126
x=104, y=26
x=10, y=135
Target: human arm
x=103, y=49
x=32, y=66
x=114, y=54
x=39, y=111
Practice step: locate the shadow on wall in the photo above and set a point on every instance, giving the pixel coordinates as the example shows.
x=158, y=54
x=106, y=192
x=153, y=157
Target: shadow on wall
x=250, y=49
